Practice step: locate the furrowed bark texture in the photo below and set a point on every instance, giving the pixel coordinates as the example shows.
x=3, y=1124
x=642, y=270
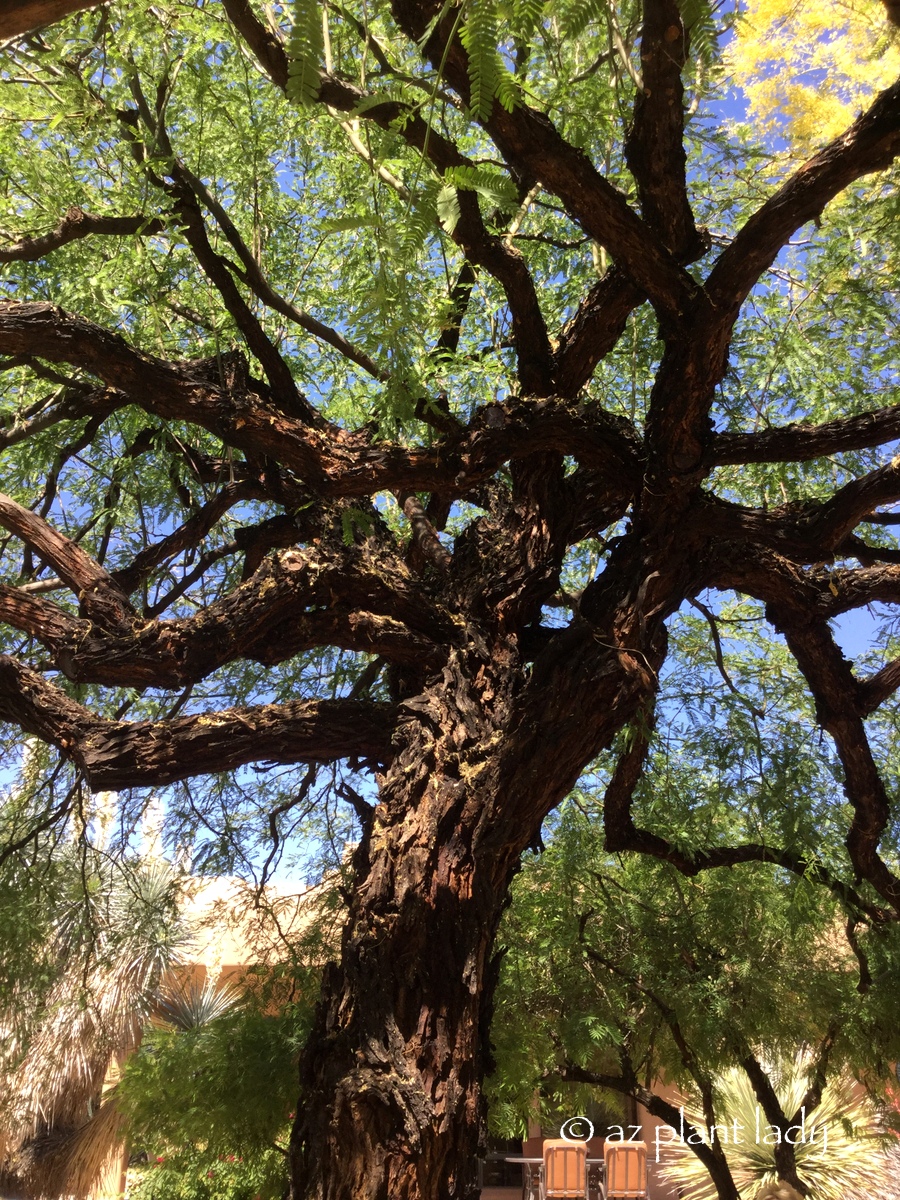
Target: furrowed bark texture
x=394, y=1065
x=401, y=1042
x=490, y=704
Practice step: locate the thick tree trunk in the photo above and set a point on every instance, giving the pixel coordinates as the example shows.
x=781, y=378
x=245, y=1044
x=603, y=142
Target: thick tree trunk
x=390, y=1103
x=391, y=1079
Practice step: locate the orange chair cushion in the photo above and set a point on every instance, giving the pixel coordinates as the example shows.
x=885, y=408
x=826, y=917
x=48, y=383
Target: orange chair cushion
x=565, y=1168
x=626, y=1169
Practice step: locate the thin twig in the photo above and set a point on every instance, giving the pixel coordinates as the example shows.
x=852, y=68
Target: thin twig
x=720, y=660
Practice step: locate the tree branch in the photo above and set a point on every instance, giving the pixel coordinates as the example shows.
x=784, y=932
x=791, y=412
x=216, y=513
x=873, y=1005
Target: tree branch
x=800, y=443
x=59, y=813
x=783, y=1150
x=263, y=620
x=460, y=294
x=827, y=591
x=870, y=144
x=40, y=618
x=865, y=975
x=115, y=754
x=622, y=834
x=720, y=657
x=188, y=534
x=505, y=263
x=278, y=373
x=819, y=1075
x=262, y=41
x=531, y=143
x=878, y=687
x=21, y=16
x=429, y=547
x=765, y=1092
x=654, y=147
x=254, y=278
x=79, y=224
x=341, y=463
x=807, y=531
x=102, y=598
x=689, y=1061
x=841, y=589
x=792, y=605
x=74, y=404
x=627, y=1084
x=594, y=330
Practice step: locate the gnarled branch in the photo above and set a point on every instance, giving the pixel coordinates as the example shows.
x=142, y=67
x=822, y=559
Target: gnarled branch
x=800, y=443
x=102, y=598
x=654, y=147
x=117, y=754
x=339, y=463
x=78, y=224
x=351, y=604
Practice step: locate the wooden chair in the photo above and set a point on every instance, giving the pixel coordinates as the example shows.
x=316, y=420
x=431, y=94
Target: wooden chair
x=564, y=1171
x=626, y=1170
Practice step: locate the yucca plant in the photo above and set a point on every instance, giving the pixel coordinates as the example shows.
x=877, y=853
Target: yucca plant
x=851, y=1163
x=190, y=1004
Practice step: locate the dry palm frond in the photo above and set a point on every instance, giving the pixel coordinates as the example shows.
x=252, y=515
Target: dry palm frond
x=85, y=1024
x=79, y=1162
x=92, y=1154
x=850, y=1162
x=777, y=1191
x=891, y=1191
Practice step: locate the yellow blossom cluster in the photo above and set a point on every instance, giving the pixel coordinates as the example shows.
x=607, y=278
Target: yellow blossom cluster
x=808, y=67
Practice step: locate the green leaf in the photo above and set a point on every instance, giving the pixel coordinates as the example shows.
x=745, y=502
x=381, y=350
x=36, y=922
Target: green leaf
x=353, y=521
x=496, y=188
x=447, y=206
x=305, y=52
x=341, y=224
x=479, y=36
x=527, y=16
x=699, y=19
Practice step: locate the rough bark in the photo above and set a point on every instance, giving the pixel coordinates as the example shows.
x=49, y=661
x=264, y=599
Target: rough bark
x=394, y=1066
x=396, y=1061
x=21, y=16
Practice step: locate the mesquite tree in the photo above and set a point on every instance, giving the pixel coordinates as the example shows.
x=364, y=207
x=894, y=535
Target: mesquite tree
x=378, y=398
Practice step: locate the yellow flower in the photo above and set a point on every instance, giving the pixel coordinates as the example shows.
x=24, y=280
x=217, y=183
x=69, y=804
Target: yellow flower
x=808, y=67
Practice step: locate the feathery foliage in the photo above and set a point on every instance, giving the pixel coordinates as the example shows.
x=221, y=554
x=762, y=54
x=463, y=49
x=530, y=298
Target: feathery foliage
x=305, y=50
x=488, y=78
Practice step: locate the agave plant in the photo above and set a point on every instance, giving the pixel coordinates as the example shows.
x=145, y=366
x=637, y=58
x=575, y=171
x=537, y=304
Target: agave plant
x=841, y=1155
